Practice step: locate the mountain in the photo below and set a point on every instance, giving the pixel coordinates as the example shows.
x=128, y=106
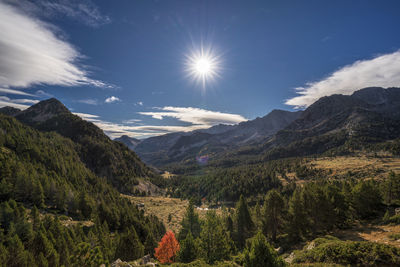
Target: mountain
x=183, y=146
x=130, y=142
x=370, y=115
x=106, y=158
x=10, y=111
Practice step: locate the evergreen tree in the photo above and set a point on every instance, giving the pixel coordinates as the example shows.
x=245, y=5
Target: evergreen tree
x=262, y=254
x=129, y=246
x=38, y=195
x=17, y=256
x=214, y=240
x=273, y=212
x=188, y=249
x=150, y=244
x=366, y=199
x=243, y=222
x=190, y=223
x=297, y=219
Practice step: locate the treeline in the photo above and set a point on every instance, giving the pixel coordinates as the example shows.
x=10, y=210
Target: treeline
x=43, y=186
x=228, y=184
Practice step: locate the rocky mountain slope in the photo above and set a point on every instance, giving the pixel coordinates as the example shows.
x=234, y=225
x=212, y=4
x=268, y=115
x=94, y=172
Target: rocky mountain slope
x=370, y=115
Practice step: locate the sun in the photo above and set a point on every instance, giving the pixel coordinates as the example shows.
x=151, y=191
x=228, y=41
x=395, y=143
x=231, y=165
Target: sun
x=203, y=66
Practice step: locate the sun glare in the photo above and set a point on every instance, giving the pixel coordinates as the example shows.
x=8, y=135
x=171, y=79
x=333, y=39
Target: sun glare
x=203, y=66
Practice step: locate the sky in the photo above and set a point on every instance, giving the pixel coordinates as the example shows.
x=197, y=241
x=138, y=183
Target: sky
x=132, y=67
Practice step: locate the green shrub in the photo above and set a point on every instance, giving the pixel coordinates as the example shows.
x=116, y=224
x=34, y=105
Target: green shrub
x=351, y=252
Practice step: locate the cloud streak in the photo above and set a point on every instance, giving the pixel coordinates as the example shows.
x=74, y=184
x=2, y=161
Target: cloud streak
x=381, y=71
x=16, y=103
x=196, y=116
x=31, y=53
x=198, y=119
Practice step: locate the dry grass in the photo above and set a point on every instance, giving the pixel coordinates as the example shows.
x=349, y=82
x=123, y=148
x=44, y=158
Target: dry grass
x=373, y=233
x=167, y=175
x=162, y=207
x=369, y=167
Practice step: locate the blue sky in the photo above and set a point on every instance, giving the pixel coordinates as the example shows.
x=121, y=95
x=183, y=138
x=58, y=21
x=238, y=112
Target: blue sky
x=122, y=64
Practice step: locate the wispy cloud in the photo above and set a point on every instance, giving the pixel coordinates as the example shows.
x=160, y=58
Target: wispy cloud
x=112, y=99
x=131, y=121
x=31, y=52
x=195, y=116
x=41, y=93
x=16, y=103
x=89, y=101
x=84, y=11
x=382, y=71
x=198, y=119
x=8, y=91
x=139, y=103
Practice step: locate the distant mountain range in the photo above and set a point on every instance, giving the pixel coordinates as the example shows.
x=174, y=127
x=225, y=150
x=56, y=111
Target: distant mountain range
x=105, y=157
x=369, y=115
x=185, y=145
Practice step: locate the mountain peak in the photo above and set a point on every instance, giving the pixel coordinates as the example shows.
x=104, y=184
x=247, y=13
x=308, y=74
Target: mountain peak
x=44, y=110
x=9, y=111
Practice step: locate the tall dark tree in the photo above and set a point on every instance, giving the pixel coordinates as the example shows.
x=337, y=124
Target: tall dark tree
x=273, y=213
x=190, y=223
x=129, y=246
x=243, y=223
x=188, y=249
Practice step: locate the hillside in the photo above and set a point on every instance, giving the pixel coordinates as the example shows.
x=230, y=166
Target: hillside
x=43, y=181
x=106, y=158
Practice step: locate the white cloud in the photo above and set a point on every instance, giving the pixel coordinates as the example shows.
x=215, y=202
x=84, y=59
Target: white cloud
x=196, y=116
x=131, y=121
x=112, y=99
x=86, y=116
x=13, y=92
x=139, y=103
x=89, y=101
x=16, y=103
x=32, y=53
x=198, y=119
x=381, y=71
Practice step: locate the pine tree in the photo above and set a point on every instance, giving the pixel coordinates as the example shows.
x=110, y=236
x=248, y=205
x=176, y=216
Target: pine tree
x=273, y=211
x=262, y=254
x=190, y=223
x=214, y=240
x=243, y=222
x=188, y=250
x=366, y=199
x=38, y=195
x=17, y=257
x=129, y=246
x=297, y=221
x=150, y=244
